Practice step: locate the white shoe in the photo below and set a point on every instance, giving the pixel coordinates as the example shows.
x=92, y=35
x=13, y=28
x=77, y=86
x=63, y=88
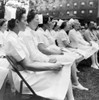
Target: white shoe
x=80, y=87
x=77, y=70
x=97, y=64
x=94, y=66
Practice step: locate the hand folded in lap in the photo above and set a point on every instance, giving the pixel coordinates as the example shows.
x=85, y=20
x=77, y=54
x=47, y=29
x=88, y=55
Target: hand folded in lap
x=60, y=52
x=52, y=60
x=90, y=44
x=57, y=67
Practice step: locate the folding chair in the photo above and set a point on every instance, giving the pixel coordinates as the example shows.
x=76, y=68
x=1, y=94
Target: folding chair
x=14, y=64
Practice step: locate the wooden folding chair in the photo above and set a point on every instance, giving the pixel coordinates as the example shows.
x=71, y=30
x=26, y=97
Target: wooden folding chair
x=15, y=65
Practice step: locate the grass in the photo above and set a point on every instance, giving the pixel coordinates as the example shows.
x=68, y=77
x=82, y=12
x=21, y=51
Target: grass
x=88, y=77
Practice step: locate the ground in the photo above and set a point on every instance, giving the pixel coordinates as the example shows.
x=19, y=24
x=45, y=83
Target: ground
x=88, y=77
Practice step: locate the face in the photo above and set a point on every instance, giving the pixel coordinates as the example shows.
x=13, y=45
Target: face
x=35, y=21
x=51, y=24
x=83, y=31
x=67, y=28
x=4, y=26
x=22, y=23
x=95, y=25
x=77, y=26
x=92, y=26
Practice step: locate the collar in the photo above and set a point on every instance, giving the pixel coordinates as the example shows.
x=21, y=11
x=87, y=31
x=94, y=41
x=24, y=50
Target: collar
x=30, y=30
x=12, y=33
x=40, y=29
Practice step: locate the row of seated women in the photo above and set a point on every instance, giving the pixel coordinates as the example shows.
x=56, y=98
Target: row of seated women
x=79, y=39
x=49, y=69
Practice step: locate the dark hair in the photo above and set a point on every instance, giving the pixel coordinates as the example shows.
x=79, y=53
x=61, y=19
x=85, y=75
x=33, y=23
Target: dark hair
x=19, y=12
x=11, y=24
x=31, y=15
x=91, y=25
x=63, y=25
x=40, y=25
x=46, y=18
x=51, y=18
x=2, y=21
x=55, y=25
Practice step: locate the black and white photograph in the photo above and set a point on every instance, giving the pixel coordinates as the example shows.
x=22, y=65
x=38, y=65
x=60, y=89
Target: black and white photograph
x=49, y=49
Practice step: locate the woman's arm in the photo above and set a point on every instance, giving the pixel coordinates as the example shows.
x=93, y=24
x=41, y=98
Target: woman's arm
x=66, y=43
x=39, y=66
x=44, y=50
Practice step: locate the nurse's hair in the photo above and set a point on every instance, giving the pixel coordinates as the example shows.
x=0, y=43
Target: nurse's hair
x=46, y=18
x=31, y=15
x=19, y=12
x=63, y=25
x=2, y=21
x=76, y=22
x=11, y=24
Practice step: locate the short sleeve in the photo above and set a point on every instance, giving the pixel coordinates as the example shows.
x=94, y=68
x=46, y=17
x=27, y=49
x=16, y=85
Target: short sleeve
x=14, y=49
x=64, y=37
x=40, y=37
x=72, y=36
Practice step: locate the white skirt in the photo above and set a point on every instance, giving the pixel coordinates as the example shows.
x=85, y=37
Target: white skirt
x=49, y=84
x=4, y=64
x=87, y=51
x=69, y=55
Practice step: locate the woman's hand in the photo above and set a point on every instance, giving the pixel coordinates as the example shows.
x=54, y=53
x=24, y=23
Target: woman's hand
x=90, y=44
x=52, y=60
x=59, y=52
x=57, y=67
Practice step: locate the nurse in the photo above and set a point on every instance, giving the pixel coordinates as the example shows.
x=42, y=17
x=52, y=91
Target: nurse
x=50, y=83
x=3, y=62
x=77, y=41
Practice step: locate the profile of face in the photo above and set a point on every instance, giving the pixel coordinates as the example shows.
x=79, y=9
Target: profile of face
x=22, y=23
x=51, y=24
x=35, y=21
x=67, y=28
x=95, y=24
x=92, y=26
x=83, y=30
x=4, y=26
x=77, y=26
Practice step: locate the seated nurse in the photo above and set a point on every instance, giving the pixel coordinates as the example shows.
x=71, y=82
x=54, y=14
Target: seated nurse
x=77, y=41
x=30, y=41
x=4, y=64
x=52, y=82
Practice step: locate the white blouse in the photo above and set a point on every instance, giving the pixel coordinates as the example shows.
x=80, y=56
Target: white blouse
x=62, y=36
x=76, y=39
x=15, y=47
x=30, y=41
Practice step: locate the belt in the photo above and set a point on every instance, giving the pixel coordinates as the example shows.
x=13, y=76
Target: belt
x=2, y=56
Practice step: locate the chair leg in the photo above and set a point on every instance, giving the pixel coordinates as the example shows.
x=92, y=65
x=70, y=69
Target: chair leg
x=21, y=86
